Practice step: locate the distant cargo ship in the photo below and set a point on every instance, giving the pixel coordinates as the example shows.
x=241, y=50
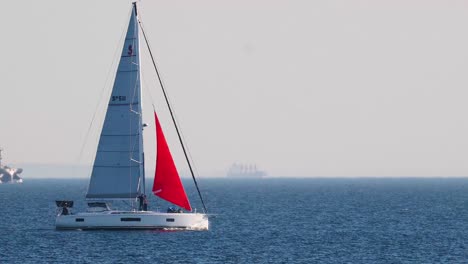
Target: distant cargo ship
x=239, y=170
x=8, y=174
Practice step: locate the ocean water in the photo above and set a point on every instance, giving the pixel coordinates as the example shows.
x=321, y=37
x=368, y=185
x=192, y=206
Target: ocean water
x=256, y=221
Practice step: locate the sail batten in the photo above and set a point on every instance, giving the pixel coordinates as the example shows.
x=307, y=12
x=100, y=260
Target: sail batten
x=115, y=175
x=167, y=184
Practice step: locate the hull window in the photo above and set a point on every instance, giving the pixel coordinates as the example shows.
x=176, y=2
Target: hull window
x=79, y=219
x=169, y=219
x=130, y=219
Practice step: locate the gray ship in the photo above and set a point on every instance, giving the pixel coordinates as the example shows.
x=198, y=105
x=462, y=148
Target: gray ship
x=239, y=170
x=8, y=174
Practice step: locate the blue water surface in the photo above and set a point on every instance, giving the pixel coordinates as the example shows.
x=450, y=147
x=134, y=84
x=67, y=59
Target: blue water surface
x=256, y=221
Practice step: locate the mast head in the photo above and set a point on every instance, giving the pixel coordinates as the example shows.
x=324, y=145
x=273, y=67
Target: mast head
x=135, y=7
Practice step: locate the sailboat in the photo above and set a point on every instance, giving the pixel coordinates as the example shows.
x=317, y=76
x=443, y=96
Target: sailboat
x=118, y=170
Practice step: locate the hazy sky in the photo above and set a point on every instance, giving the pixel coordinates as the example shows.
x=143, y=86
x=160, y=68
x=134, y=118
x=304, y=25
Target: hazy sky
x=301, y=88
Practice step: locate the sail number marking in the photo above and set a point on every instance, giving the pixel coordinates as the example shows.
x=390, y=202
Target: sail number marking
x=119, y=98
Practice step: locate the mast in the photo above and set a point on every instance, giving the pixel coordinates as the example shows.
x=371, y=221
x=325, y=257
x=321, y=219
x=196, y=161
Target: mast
x=1, y=157
x=142, y=152
x=172, y=114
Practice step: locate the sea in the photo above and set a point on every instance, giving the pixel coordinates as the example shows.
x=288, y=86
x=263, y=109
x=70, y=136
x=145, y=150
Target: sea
x=271, y=220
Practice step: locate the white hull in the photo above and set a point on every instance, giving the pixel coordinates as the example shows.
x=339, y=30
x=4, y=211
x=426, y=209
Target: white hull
x=132, y=220
x=12, y=181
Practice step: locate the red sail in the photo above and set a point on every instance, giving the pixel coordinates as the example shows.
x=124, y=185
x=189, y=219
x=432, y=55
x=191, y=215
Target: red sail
x=167, y=184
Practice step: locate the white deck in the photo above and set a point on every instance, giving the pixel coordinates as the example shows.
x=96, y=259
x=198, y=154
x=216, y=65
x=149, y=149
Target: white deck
x=132, y=220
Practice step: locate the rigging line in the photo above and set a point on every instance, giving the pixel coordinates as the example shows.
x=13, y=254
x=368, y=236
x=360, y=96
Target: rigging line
x=143, y=75
x=134, y=64
x=146, y=87
x=183, y=136
x=141, y=158
x=172, y=115
x=186, y=143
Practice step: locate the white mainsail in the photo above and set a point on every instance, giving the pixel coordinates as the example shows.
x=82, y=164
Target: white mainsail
x=118, y=166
